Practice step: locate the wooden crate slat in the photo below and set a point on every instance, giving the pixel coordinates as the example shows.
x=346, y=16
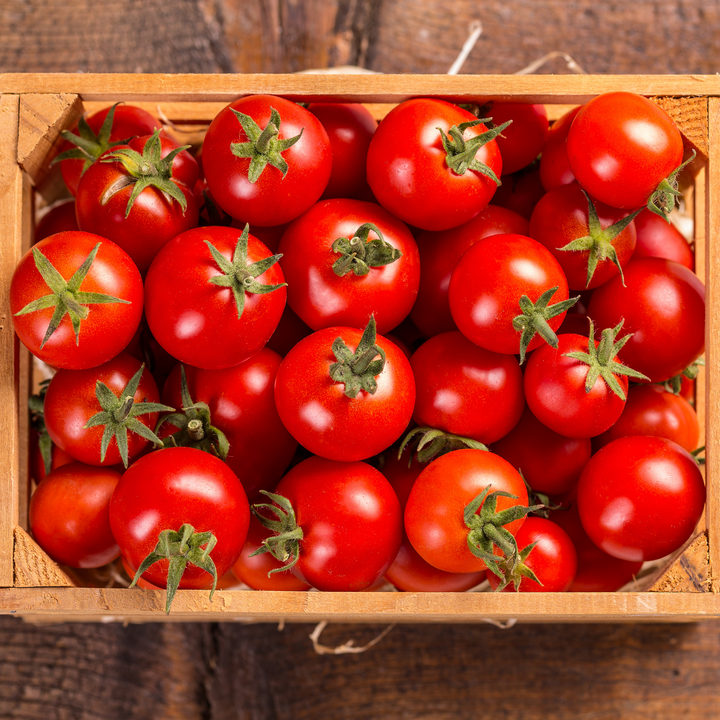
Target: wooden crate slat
x=33, y=567
x=690, y=572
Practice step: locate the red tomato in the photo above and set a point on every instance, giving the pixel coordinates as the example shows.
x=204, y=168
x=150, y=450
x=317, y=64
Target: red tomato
x=556, y=392
x=288, y=333
x=440, y=252
x=652, y=410
x=621, y=146
x=109, y=293
x=596, y=570
x=58, y=458
x=317, y=409
x=350, y=128
x=60, y=218
x=553, y=559
x=550, y=463
x=291, y=166
x=466, y=390
x=254, y=570
x=434, y=514
x=520, y=192
x=127, y=122
x=188, y=486
x=331, y=282
x=193, y=309
x=69, y=515
x=242, y=406
x=73, y=398
x=165, y=207
x=339, y=508
x=554, y=166
x=521, y=141
x=659, y=238
x=663, y=305
x=588, y=239
x=488, y=283
x=408, y=168
x=640, y=498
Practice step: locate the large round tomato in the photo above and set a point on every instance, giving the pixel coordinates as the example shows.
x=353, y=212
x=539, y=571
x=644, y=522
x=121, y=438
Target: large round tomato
x=466, y=390
x=69, y=515
x=165, y=207
x=340, y=272
x=267, y=160
x=422, y=168
x=640, y=497
x=440, y=252
x=434, y=514
x=242, y=407
x=188, y=487
x=341, y=419
x=76, y=316
x=488, y=283
x=663, y=306
x=209, y=302
x=350, y=522
x=621, y=146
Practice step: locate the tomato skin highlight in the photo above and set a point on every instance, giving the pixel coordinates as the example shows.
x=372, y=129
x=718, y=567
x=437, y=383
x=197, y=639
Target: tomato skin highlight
x=640, y=497
x=188, y=486
x=69, y=515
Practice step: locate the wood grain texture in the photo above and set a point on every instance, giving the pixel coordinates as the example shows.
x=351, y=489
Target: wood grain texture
x=690, y=571
x=33, y=567
x=690, y=114
x=12, y=200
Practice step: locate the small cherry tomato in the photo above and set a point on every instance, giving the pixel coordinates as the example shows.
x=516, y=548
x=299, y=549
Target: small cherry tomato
x=554, y=166
x=659, y=238
x=521, y=141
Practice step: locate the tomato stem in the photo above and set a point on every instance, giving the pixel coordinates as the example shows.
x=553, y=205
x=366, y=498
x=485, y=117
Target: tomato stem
x=358, y=370
x=358, y=255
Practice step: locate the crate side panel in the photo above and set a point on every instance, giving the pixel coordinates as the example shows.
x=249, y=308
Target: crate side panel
x=12, y=194
x=33, y=567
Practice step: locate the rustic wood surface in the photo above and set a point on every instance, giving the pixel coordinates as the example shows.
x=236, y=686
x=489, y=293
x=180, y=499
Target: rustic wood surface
x=232, y=671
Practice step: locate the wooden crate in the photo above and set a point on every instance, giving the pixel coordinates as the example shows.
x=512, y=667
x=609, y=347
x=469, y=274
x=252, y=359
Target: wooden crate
x=33, y=111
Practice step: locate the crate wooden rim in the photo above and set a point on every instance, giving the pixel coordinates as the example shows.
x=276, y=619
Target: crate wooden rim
x=34, y=108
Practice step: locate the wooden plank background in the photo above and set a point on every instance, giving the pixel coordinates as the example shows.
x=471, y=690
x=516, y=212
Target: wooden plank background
x=232, y=671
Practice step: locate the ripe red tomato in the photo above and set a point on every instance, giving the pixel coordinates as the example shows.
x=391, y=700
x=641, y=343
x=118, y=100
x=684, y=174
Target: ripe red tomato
x=659, y=238
x=69, y=515
x=339, y=507
x=86, y=310
x=58, y=458
x=267, y=160
x=254, y=570
x=554, y=166
x=74, y=398
x=316, y=408
x=553, y=559
x=126, y=122
x=549, y=462
x=434, y=514
x=426, y=178
x=520, y=192
x=188, y=486
x=556, y=388
x=242, y=406
x=164, y=208
x=663, y=305
x=340, y=271
x=350, y=128
x=488, y=283
x=588, y=239
x=466, y=390
x=640, y=498
x=621, y=146
x=60, y=218
x=440, y=252
x=521, y=141
x=652, y=410
x=214, y=297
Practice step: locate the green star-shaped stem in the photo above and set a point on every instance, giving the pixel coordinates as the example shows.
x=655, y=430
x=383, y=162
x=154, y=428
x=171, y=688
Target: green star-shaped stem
x=181, y=547
x=662, y=201
x=601, y=359
x=263, y=147
x=284, y=546
x=119, y=415
x=358, y=255
x=432, y=443
x=460, y=153
x=357, y=370
x=66, y=296
x=598, y=242
x=238, y=275
x=147, y=170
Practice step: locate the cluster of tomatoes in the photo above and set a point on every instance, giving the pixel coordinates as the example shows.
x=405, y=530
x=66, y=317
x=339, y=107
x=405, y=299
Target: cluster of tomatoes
x=516, y=410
